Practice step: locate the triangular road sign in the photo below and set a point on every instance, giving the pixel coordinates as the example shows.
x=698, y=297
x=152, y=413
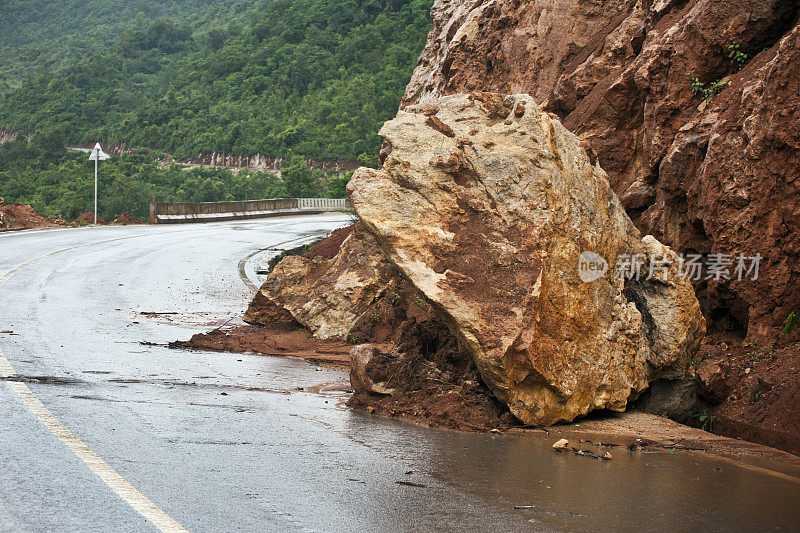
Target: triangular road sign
x=98, y=154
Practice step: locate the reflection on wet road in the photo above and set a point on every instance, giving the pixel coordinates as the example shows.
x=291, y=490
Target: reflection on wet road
x=225, y=442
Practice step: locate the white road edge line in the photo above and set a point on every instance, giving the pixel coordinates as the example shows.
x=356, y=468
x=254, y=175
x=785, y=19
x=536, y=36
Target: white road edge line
x=141, y=503
x=243, y=263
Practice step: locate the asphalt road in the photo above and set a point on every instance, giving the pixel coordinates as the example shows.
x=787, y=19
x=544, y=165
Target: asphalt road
x=229, y=442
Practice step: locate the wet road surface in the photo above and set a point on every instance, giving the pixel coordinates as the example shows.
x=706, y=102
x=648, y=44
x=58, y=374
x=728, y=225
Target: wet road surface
x=224, y=442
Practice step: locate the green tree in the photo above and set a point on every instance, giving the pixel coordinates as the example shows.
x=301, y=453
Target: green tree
x=300, y=181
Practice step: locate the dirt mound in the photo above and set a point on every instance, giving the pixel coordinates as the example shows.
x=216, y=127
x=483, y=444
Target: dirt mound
x=277, y=334
x=761, y=391
x=86, y=219
x=434, y=379
x=328, y=248
x=17, y=216
x=126, y=219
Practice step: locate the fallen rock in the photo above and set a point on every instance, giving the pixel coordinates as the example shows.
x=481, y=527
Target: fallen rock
x=561, y=445
x=490, y=224
x=263, y=312
x=712, y=382
x=360, y=357
x=673, y=399
x=715, y=175
x=329, y=295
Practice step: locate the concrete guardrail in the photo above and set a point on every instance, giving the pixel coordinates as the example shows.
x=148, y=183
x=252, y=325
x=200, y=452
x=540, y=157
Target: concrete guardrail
x=182, y=213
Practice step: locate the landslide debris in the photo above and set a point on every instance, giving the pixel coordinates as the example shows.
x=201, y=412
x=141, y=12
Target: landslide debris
x=395, y=339
x=86, y=219
x=329, y=295
x=489, y=224
x=125, y=219
x=704, y=175
x=17, y=216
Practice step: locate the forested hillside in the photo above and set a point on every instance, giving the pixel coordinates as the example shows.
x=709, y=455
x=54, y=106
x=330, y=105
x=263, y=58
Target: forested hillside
x=283, y=78
x=58, y=182
x=37, y=35
x=310, y=77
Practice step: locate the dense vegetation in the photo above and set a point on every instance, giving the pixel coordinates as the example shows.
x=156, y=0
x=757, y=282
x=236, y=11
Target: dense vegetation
x=283, y=78
x=37, y=36
x=60, y=182
x=309, y=77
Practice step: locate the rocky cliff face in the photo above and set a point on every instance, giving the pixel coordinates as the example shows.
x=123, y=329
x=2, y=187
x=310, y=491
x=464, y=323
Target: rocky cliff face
x=703, y=176
x=487, y=206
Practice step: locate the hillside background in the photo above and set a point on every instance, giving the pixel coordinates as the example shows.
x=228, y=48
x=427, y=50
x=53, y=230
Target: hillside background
x=282, y=78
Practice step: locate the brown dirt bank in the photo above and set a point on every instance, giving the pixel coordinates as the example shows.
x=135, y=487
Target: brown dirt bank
x=329, y=247
x=755, y=387
x=282, y=336
x=126, y=219
x=87, y=218
x=17, y=216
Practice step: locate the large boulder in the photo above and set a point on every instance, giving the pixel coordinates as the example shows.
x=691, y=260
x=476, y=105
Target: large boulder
x=488, y=205
x=328, y=296
x=715, y=175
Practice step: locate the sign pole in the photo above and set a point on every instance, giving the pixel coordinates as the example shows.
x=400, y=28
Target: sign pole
x=97, y=154
x=95, y=192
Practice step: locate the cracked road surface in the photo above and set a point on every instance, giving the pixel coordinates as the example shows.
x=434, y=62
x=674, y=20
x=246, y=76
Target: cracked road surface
x=224, y=442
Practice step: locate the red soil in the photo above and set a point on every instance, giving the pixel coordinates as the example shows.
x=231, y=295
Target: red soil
x=126, y=220
x=762, y=387
x=328, y=248
x=87, y=218
x=282, y=336
x=17, y=216
x=435, y=379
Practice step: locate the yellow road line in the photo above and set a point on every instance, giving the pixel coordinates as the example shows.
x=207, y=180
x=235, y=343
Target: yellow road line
x=141, y=503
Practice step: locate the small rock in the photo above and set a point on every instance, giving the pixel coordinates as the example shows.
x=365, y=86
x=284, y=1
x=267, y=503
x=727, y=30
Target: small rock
x=494, y=430
x=561, y=445
x=669, y=398
x=360, y=356
x=712, y=380
x=606, y=456
x=747, y=370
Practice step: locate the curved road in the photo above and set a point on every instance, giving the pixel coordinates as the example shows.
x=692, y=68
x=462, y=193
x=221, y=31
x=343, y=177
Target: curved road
x=100, y=432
